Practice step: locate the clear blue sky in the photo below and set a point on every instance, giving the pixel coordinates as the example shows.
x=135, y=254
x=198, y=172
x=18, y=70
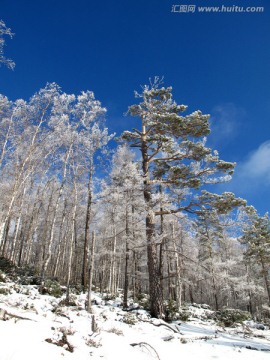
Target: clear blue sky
x=216, y=62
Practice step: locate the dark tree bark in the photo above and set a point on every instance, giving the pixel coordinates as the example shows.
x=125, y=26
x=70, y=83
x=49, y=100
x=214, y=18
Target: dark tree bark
x=87, y=231
x=155, y=287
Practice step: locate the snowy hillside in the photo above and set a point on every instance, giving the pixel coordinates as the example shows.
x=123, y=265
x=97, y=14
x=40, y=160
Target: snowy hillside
x=35, y=326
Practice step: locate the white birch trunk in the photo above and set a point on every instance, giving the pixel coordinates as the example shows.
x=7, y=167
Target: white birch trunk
x=49, y=251
x=91, y=267
x=178, y=271
x=71, y=241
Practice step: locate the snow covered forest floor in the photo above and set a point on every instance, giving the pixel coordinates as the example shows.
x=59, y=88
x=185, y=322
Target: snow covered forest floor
x=35, y=326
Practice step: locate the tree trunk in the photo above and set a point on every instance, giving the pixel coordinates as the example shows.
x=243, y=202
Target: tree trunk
x=190, y=293
x=178, y=271
x=87, y=230
x=162, y=242
x=91, y=268
x=126, y=282
x=4, y=245
x=17, y=228
x=60, y=240
x=71, y=244
x=112, y=270
x=155, y=288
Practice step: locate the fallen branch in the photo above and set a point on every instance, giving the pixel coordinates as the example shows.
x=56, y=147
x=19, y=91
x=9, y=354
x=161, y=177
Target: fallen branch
x=191, y=339
x=131, y=309
x=4, y=315
x=147, y=346
x=254, y=348
x=251, y=348
x=175, y=330
x=205, y=338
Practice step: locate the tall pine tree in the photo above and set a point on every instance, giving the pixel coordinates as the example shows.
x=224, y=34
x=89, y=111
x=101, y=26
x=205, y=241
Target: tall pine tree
x=175, y=157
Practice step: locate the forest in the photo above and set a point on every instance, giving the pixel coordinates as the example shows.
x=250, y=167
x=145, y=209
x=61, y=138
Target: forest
x=138, y=212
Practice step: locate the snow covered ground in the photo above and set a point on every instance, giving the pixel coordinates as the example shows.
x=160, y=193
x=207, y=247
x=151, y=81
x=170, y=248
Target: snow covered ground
x=32, y=324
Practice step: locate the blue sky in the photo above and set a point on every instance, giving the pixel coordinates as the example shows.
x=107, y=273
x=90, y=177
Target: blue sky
x=216, y=62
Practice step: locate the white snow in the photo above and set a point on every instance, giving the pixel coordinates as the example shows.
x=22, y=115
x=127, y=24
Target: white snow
x=198, y=339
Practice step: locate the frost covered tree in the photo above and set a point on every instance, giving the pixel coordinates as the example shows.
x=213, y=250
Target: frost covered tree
x=121, y=206
x=5, y=31
x=219, y=256
x=174, y=156
x=176, y=257
x=47, y=157
x=79, y=127
x=126, y=178
x=95, y=138
x=257, y=241
x=29, y=147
